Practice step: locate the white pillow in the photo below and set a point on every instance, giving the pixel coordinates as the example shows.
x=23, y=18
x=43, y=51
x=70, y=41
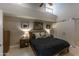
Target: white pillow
x=43, y=33
x=37, y=35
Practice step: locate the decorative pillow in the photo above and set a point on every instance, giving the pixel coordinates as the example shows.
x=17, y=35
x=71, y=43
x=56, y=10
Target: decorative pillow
x=43, y=34
x=37, y=35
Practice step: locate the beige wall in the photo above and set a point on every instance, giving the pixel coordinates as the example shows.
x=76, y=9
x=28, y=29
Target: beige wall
x=13, y=25
x=14, y=31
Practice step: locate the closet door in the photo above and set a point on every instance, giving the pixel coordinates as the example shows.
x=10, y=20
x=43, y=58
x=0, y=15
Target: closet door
x=1, y=33
x=6, y=41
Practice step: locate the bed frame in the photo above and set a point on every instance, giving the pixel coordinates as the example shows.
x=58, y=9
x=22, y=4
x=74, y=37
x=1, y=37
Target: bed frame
x=61, y=53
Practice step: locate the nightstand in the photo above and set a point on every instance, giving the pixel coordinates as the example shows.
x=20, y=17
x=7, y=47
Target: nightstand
x=24, y=43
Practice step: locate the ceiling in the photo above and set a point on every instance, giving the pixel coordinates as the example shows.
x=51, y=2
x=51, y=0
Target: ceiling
x=33, y=5
x=27, y=11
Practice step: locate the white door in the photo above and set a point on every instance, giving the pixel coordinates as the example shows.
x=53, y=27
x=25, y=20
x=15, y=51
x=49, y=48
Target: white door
x=1, y=33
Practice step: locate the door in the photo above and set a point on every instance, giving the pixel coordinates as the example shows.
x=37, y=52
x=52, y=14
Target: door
x=1, y=33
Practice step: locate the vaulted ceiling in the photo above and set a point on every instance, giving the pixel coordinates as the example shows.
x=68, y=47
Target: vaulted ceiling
x=27, y=10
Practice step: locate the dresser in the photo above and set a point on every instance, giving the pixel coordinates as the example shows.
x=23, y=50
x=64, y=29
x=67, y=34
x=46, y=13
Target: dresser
x=6, y=41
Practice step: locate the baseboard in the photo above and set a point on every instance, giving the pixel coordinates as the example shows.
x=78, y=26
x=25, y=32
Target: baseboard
x=74, y=46
x=77, y=46
x=1, y=54
x=14, y=46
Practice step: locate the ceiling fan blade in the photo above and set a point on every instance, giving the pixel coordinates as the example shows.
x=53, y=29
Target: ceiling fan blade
x=41, y=4
x=50, y=4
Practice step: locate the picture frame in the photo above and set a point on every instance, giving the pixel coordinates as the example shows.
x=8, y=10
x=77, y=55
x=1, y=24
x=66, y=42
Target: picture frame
x=48, y=26
x=38, y=26
x=25, y=25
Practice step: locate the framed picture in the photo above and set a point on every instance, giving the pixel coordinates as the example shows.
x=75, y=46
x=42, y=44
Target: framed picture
x=25, y=25
x=38, y=25
x=48, y=26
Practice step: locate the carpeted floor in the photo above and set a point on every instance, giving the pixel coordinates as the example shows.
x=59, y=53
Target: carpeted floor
x=28, y=52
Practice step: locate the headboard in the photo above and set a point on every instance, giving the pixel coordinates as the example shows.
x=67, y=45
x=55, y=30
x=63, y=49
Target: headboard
x=38, y=34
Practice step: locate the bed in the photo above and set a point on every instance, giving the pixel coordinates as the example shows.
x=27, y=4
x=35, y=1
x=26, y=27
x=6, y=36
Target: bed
x=48, y=46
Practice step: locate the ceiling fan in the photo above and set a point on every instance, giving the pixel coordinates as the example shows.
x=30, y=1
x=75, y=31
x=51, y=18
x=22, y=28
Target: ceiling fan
x=44, y=3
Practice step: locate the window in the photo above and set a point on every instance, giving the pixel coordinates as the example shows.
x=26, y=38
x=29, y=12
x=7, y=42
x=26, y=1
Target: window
x=49, y=8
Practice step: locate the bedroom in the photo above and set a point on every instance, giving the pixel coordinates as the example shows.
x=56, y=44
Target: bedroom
x=21, y=19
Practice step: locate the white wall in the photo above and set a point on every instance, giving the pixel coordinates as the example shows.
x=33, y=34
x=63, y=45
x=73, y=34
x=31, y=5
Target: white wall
x=76, y=31
x=65, y=31
x=66, y=11
x=1, y=33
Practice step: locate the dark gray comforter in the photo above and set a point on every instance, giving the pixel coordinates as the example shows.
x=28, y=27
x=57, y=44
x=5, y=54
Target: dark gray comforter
x=48, y=46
